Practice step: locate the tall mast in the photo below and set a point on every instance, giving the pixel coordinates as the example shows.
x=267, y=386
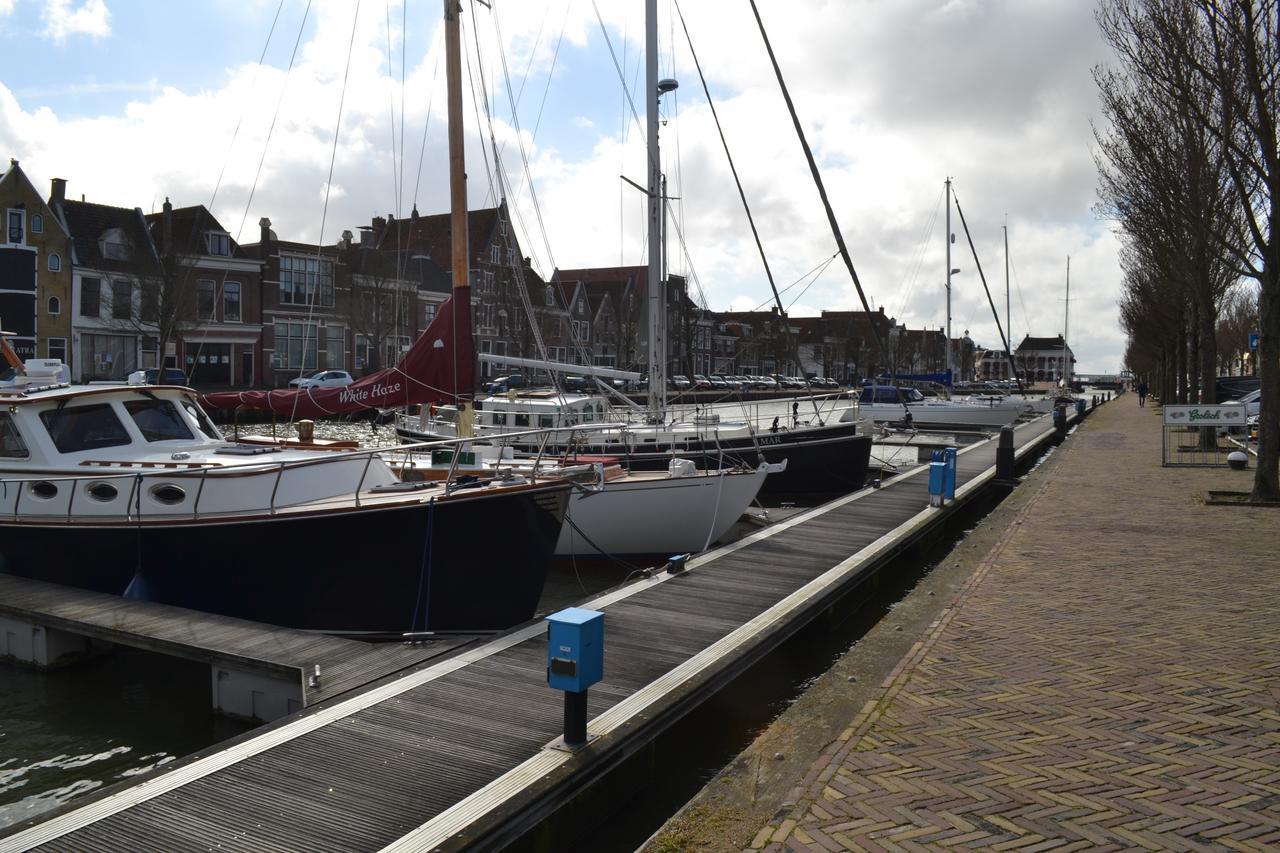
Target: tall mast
x=1066, y=327
x=949, y=278
x=1007, y=322
x=657, y=341
x=460, y=248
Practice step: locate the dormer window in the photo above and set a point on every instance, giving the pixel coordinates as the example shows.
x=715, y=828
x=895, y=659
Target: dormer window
x=550, y=298
x=114, y=245
x=218, y=243
x=582, y=308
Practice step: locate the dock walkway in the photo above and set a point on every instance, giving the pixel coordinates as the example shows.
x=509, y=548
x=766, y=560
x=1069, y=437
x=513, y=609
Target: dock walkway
x=1108, y=678
x=458, y=753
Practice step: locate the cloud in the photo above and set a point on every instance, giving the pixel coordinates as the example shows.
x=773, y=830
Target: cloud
x=91, y=18
x=6, y=7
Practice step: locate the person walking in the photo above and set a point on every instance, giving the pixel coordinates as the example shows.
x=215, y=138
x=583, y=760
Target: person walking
x=1142, y=394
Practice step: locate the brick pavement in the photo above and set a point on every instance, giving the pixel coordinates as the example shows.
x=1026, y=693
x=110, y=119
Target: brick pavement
x=1109, y=678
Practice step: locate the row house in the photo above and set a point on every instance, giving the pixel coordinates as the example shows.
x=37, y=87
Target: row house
x=1043, y=359
x=858, y=354
x=35, y=270
x=207, y=305
x=767, y=341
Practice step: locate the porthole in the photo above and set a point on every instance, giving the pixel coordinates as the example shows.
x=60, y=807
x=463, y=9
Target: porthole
x=102, y=492
x=167, y=493
x=44, y=490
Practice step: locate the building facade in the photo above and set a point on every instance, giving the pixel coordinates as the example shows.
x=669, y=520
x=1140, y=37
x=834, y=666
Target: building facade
x=35, y=270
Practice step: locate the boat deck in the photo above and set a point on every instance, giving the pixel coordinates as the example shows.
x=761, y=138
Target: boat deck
x=462, y=752
x=218, y=640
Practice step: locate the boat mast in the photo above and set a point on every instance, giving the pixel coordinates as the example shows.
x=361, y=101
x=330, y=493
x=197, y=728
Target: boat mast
x=949, y=239
x=657, y=342
x=1008, y=323
x=459, y=248
x=1066, y=326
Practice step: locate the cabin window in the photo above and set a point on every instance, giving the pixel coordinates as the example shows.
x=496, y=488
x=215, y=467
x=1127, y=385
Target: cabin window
x=102, y=492
x=522, y=420
x=201, y=419
x=44, y=490
x=546, y=421
x=587, y=415
x=500, y=419
x=168, y=493
x=76, y=428
x=11, y=444
x=158, y=420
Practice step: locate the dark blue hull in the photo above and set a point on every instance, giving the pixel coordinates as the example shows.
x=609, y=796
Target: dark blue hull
x=415, y=567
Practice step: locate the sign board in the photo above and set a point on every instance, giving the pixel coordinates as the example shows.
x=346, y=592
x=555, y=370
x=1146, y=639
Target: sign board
x=1225, y=415
x=1253, y=340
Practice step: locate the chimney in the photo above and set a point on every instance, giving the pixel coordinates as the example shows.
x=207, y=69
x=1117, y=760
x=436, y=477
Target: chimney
x=166, y=229
x=13, y=162
x=366, y=235
x=58, y=190
x=346, y=239
x=264, y=236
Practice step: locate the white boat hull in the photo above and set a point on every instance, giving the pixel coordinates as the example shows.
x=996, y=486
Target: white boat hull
x=656, y=515
x=941, y=414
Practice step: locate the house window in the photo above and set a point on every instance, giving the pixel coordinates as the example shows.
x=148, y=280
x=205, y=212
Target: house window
x=231, y=302
x=488, y=281
x=17, y=223
x=149, y=304
x=306, y=281
x=295, y=346
x=550, y=298
x=114, y=245
x=204, y=299
x=90, y=297
x=121, y=300
x=511, y=256
x=219, y=244
x=582, y=307
x=431, y=312
x=58, y=348
x=335, y=348
x=37, y=223
x=55, y=305
x=494, y=254
x=55, y=263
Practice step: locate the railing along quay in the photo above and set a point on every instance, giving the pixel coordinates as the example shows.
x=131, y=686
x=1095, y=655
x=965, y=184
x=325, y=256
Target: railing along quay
x=461, y=752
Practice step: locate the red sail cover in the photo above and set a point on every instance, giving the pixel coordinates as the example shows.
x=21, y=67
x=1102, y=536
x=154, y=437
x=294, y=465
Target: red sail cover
x=438, y=367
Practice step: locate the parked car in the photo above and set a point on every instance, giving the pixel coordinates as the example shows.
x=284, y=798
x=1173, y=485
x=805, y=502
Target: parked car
x=579, y=384
x=1252, y=403
x=172, y=376
x=505, y=383
x=718, y=382
x=768, y=383
x=323, y=379
x=679, y=383
x=701, y=382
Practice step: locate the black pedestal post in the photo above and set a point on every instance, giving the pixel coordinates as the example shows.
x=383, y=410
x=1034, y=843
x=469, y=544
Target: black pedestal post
x=1004, y=454
x=575, y=719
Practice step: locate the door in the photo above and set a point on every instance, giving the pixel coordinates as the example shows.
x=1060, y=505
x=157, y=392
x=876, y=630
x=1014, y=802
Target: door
x=209, y=364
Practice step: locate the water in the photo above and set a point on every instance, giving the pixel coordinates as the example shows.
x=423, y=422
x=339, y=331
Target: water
x=66, y=733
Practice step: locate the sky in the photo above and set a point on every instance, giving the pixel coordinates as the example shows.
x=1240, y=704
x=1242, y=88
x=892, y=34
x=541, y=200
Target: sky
x=323, y=114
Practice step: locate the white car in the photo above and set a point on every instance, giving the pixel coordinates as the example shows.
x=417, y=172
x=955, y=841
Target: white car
x=323, y=379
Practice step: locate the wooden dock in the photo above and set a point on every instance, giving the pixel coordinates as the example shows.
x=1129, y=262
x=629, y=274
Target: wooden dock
x=234, y=645
x=460, y=752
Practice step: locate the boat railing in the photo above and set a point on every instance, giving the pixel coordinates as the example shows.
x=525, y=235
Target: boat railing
x=278, y=471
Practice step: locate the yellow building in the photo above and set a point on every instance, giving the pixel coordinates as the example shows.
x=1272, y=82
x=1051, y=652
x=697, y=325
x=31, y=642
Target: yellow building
x=35, y=271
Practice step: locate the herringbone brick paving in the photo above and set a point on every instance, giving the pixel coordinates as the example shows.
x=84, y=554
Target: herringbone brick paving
x=1109, y=678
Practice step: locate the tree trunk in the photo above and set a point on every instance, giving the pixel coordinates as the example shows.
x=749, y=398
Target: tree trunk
x=1180, y=361
x=1208, y=356
x=1266, y=478
x=1193, y=356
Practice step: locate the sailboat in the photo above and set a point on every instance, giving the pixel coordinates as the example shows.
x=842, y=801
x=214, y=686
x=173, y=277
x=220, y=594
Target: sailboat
x=818, y=457
x=131, y=490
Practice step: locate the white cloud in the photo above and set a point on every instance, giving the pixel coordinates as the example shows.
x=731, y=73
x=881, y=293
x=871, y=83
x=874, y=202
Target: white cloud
x=91, y=18
x=6, y=7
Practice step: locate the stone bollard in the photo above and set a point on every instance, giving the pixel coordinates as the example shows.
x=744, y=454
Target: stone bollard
x=1004, y=454
x=1060, y=418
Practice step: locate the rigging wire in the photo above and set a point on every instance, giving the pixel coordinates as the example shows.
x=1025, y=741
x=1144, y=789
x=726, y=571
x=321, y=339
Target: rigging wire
x=328, y=187
x=395, y=175
x=912, y=276
x=1026, y=322
x=422, y=152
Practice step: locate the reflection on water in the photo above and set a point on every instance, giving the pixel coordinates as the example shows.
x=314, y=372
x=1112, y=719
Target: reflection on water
x=69, y=732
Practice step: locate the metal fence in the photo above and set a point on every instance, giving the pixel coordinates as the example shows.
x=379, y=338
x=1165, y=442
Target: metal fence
x=1196, y=436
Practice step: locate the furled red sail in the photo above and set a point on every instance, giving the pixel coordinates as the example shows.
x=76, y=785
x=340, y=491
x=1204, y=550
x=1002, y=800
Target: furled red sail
x=438, y=367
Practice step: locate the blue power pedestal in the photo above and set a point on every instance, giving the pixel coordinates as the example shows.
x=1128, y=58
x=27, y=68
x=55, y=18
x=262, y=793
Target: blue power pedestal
x=942, y=477
x=575, y=661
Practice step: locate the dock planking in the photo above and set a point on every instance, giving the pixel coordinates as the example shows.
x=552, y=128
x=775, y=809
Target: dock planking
x=345, y=664
x=455, y=753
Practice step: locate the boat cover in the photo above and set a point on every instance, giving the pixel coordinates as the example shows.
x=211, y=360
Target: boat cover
x=438, y=367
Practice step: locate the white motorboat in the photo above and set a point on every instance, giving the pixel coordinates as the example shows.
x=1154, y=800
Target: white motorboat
x=130, y=489
x=907, y=406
